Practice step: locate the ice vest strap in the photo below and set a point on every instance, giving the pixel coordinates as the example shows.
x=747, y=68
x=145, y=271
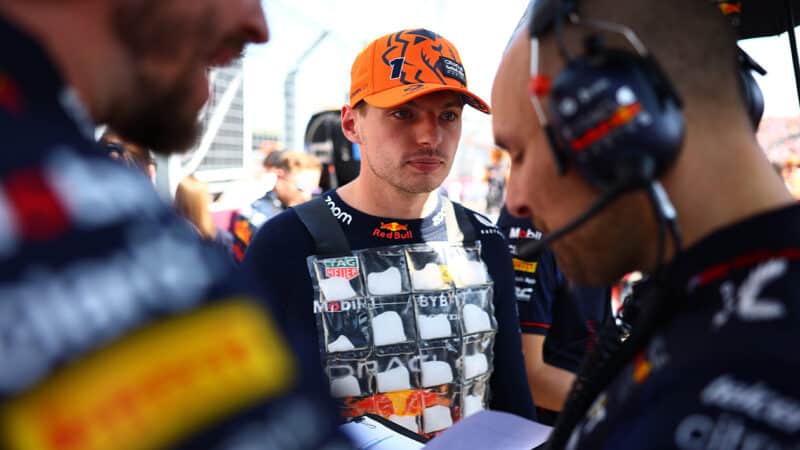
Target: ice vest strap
x=464, y=222
x=329, y=238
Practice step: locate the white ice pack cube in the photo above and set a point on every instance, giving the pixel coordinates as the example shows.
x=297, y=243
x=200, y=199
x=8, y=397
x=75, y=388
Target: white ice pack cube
x=475, y=365
x=346, y=386
x=408, y=422
x=470, y=273
x=472, y=404
x=436, y=418
x=336, y=288
x=476, y=319
x=429, y=278
x=387, y=328
x=435, y=373
x=341, y=344
x=385, y=283
x=392, y=380
x=434, y=327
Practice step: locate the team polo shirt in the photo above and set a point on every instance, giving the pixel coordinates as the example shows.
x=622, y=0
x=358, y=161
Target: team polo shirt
x=119, y=328
x=567, y=315
x=277, y=256
x=722, y=372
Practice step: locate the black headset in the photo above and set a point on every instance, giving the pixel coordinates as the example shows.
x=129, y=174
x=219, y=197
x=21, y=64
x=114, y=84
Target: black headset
x=751, y=92
x=613, y=113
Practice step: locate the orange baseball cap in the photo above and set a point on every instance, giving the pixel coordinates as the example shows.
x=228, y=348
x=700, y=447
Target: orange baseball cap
x=402, y=66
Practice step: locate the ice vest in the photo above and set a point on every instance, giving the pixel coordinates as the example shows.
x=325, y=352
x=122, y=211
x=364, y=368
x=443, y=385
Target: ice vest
x=406, y=331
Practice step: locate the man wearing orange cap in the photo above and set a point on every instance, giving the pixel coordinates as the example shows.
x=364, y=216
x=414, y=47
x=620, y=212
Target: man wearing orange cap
x=412, y=295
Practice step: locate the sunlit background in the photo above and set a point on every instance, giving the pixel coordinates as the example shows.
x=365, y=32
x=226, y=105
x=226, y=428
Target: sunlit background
x=267, y=99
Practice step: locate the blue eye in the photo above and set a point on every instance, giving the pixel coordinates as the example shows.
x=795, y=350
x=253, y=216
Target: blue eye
x=449, y=116
x=401, y=114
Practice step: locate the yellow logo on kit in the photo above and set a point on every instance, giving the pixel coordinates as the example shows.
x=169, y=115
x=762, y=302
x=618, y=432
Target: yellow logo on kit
x=156, y=386
x=524, y=266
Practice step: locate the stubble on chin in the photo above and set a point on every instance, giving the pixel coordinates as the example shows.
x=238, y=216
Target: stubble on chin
x=157, y=113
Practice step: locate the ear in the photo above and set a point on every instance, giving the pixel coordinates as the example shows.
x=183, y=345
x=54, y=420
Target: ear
x=280, y=173
x=349, y=124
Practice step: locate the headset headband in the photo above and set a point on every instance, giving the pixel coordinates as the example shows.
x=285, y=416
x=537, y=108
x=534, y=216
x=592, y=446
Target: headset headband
x=543, y=14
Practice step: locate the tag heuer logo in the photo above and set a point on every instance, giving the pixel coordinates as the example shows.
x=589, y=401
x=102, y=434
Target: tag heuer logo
x=346, y=268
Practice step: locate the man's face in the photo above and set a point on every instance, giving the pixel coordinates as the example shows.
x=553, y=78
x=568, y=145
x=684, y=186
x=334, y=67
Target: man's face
x=604, y=248
x=170, y=45
x=410, y=147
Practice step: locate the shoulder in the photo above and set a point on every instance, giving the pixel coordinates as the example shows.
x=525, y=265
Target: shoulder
x=283, y=227
x=486, y=231
x=281, y=237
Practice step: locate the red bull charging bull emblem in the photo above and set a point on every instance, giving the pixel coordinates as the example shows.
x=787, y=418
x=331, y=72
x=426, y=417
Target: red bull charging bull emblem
x=393, y=231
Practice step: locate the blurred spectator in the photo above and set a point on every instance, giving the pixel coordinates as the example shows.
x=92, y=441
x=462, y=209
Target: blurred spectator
x=559, y=320
x=131, y=154
x=790, y=171
x=297, y=176
x=192, y=201
x=495, y=177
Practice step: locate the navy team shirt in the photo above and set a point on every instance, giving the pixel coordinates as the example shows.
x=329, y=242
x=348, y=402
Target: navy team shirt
x=567, y=315
x=724, y=371
x=119, y=329
x=277, y=256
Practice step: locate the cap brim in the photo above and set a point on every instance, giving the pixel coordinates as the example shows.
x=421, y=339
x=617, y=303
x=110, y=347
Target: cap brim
x=401, y=94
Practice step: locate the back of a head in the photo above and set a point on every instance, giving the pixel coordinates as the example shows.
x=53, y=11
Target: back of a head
x=691, y=40
x=292, y=161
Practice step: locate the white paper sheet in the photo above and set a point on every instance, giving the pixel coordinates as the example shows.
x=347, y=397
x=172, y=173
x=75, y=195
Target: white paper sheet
x=491, y=430
x=368, y=434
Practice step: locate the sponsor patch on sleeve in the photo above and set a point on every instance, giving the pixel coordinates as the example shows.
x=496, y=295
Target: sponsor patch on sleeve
x=524, y=266
x=157, y=386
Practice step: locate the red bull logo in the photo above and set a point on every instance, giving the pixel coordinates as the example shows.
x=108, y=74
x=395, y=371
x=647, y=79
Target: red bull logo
x=393, y=226
x=393, y=231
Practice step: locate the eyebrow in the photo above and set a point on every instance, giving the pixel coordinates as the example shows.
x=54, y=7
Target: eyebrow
x=451, y=104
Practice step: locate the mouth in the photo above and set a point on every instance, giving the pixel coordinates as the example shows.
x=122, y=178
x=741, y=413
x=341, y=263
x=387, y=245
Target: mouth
x=539, y=226
x=230, y=50
x=426, y=164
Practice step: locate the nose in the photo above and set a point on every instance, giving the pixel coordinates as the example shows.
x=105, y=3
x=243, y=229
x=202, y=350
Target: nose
x=516, y=201
x=255, y=22
x=429, y=132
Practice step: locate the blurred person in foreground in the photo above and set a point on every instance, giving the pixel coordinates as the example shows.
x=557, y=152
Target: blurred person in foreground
x=120, y=328
x=297, y=176
x=704, y=366
x=408, y=291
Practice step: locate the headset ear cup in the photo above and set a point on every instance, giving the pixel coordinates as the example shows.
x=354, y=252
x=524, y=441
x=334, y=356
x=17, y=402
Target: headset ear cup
x=752, y=95
x=615, y=118
x=751, y=92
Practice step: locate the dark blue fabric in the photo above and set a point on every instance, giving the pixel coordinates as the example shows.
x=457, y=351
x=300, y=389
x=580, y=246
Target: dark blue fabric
x=567, y=315
x=90, y=256
x=277, y=256
x=721, y=372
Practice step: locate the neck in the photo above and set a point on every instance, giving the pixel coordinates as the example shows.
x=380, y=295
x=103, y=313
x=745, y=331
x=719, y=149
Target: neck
x=77, y=40
x=735, y=178
x=387, y=201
